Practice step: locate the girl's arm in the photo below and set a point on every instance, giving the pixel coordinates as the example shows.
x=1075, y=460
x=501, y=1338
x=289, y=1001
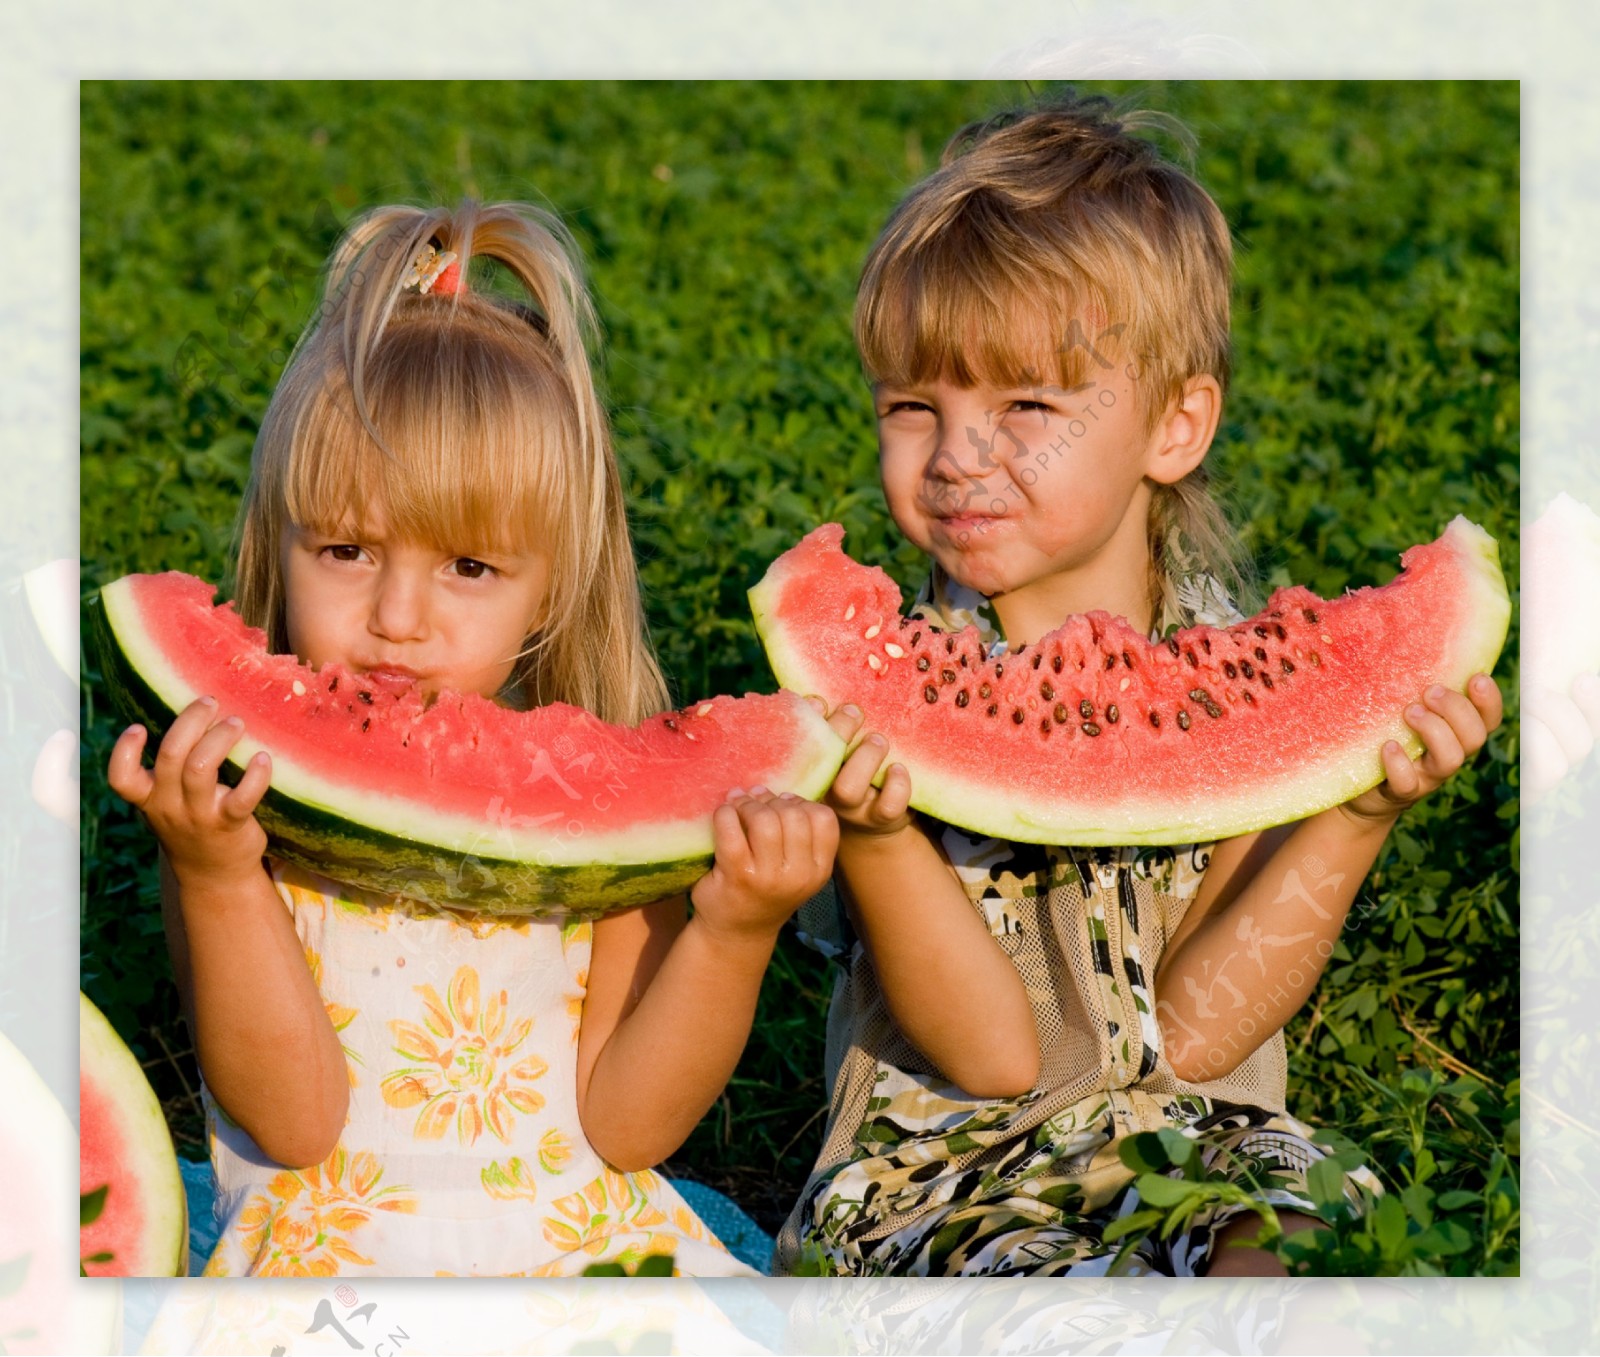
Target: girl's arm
x=951, y=988
x=671, y=998
x=1271, y=907
x=262, y=1035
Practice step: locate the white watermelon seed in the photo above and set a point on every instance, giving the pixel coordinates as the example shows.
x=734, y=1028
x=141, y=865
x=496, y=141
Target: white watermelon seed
x=893, y=651
x=1123, y=686
x=871, y=631
x=704, y=709
x=877, y=665
x=849, y=612
x=299, y=688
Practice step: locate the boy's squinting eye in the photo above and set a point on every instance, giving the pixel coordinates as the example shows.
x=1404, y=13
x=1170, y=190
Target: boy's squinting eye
x=903, y=407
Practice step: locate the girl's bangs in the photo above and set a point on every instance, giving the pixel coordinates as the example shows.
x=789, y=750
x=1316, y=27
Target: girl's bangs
x=463, y=456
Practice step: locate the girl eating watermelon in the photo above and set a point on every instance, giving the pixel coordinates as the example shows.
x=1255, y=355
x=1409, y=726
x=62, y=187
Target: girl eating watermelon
x=1044, y=324
x=405, y=1090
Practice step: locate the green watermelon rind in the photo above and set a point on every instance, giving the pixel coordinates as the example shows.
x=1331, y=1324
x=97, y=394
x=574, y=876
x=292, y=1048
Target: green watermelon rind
x=452, y=869
x=1350, y=772
x=106, y=1057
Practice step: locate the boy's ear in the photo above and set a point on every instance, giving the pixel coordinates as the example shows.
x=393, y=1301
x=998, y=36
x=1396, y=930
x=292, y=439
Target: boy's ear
x=1182, y=436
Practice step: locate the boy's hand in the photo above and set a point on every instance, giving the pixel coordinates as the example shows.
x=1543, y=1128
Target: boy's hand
x=206, y=828
x=1453, y=726
x=862, y=808
x=773, y=853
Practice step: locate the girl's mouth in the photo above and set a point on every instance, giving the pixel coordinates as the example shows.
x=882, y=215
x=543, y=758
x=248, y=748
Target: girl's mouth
x=396, y=678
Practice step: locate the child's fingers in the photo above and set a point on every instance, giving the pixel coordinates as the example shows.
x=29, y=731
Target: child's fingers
x=824, y=836
x=1487, y=698
x=240, y=803
x=128, y=776
x=844, y=721
x=895, y=797
x=854, y=782
x=1563, y=720
x=1404, y=780
x=727, y=840
x=763, y=831
x=1463, y=716
x=205, y=759
x=796, y=827
x=1442, y=755
x=185, y=731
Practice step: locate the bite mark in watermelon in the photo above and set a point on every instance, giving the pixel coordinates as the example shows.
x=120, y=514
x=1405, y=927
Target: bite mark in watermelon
x=457, y=801
x=127, y=1167
x=1094, y=735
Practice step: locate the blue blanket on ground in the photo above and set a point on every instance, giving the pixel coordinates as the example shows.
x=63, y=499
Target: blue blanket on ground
x=744, y=1238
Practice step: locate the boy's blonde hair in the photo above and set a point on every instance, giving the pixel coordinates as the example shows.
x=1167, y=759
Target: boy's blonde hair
x=471, y=420
x=1049, y=244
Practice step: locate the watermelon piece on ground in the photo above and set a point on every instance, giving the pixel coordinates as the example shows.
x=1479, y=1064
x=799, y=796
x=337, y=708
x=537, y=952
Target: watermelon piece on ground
x=457, y=801
x=1094, y=735
x=135, y=1215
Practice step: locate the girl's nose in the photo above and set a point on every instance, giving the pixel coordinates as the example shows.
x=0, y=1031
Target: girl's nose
x=399, y=608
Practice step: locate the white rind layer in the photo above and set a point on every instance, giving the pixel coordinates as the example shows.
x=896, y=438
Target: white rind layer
x=808, y=773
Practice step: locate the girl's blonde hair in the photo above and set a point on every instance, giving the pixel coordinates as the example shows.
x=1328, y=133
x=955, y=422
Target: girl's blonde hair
x=1049, y=245
x=471, y=419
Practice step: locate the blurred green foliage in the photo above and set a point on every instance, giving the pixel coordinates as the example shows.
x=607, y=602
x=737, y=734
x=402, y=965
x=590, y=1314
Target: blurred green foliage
x=1375, y=395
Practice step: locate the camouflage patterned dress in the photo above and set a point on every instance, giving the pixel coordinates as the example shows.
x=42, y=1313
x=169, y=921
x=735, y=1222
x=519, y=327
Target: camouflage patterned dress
x=918, y=1178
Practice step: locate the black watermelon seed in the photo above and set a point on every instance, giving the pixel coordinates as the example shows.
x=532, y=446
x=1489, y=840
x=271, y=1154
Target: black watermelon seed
x=1172, y=644
x=1086, y=709
x=1127, y=659
x=365, y=697
x=1205, y=644
x=1229, y=669
x=1213, y=710
x=1260, y=630
x=1036, y=660
x=1111, y=661
x=1249, y=697
x=947, y=676
x=915, y=637
x=992, y=708
x=962, y=698
x=1261, y=654
x=922, y=663
x=984, y=690
x=1199, y=695
x=1044, y=726
x=1155, y=719
x=1249, y=670
x=1016, y=716
x=1266, y=679
x=670, y=724
x=333, y=684
x=1288, y=666
x=1193, y=663
x=1089, y=728
x=930, y=693
x=1316, y=660
x=1055, y=663
x=366, y=723
x=1061, y=714
x=998, y=670
x=1183, y=719
x=963, y=659
x=1046, y=691
x=1279, y=632
x=949, y=645
x=1310, y=616
x=1112, y=713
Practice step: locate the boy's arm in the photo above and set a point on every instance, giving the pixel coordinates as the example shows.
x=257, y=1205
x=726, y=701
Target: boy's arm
x=1269, y=912
x=952, y=990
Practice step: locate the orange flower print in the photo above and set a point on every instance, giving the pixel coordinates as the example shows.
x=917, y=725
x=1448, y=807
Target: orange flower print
x=338, y=1014
x=305, y=1231
x=555, y=1151
x=509, y=1181
x=465, y=1073
x=614, y=1208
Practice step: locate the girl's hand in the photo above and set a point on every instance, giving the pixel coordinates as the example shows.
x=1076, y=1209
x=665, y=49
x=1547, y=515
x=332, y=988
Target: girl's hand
x=206, y=828
x=773, y=853
x=1559, y=731
x=874, y=812
x=1453, y=726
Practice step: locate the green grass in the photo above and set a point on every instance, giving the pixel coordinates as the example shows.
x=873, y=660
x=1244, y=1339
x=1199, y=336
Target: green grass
x=1375, y=396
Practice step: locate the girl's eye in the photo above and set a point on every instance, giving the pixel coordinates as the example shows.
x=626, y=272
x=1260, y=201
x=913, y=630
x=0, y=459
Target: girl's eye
x=471, y=569
x=344, y=551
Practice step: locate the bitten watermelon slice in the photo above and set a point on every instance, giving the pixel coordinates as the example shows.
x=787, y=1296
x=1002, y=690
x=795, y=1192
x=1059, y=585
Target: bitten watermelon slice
x=1094, y=735
x=458, y=801
x=135, y=1213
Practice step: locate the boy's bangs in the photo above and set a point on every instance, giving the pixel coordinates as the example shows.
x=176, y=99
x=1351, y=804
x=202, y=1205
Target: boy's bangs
x=975, y=321
x=468, y=459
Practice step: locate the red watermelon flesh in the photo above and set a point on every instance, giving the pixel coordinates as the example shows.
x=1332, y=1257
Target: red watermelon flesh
x=140, y=1227
x=1095, y=735
x=458, y=800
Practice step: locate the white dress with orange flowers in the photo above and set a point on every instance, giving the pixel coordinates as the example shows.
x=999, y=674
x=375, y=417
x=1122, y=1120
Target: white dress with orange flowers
x=462, y=1154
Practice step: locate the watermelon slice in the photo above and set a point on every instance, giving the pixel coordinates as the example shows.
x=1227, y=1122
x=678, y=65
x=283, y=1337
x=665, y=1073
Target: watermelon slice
x=1093, y=735
x=458, y=801
x=135, y=1219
